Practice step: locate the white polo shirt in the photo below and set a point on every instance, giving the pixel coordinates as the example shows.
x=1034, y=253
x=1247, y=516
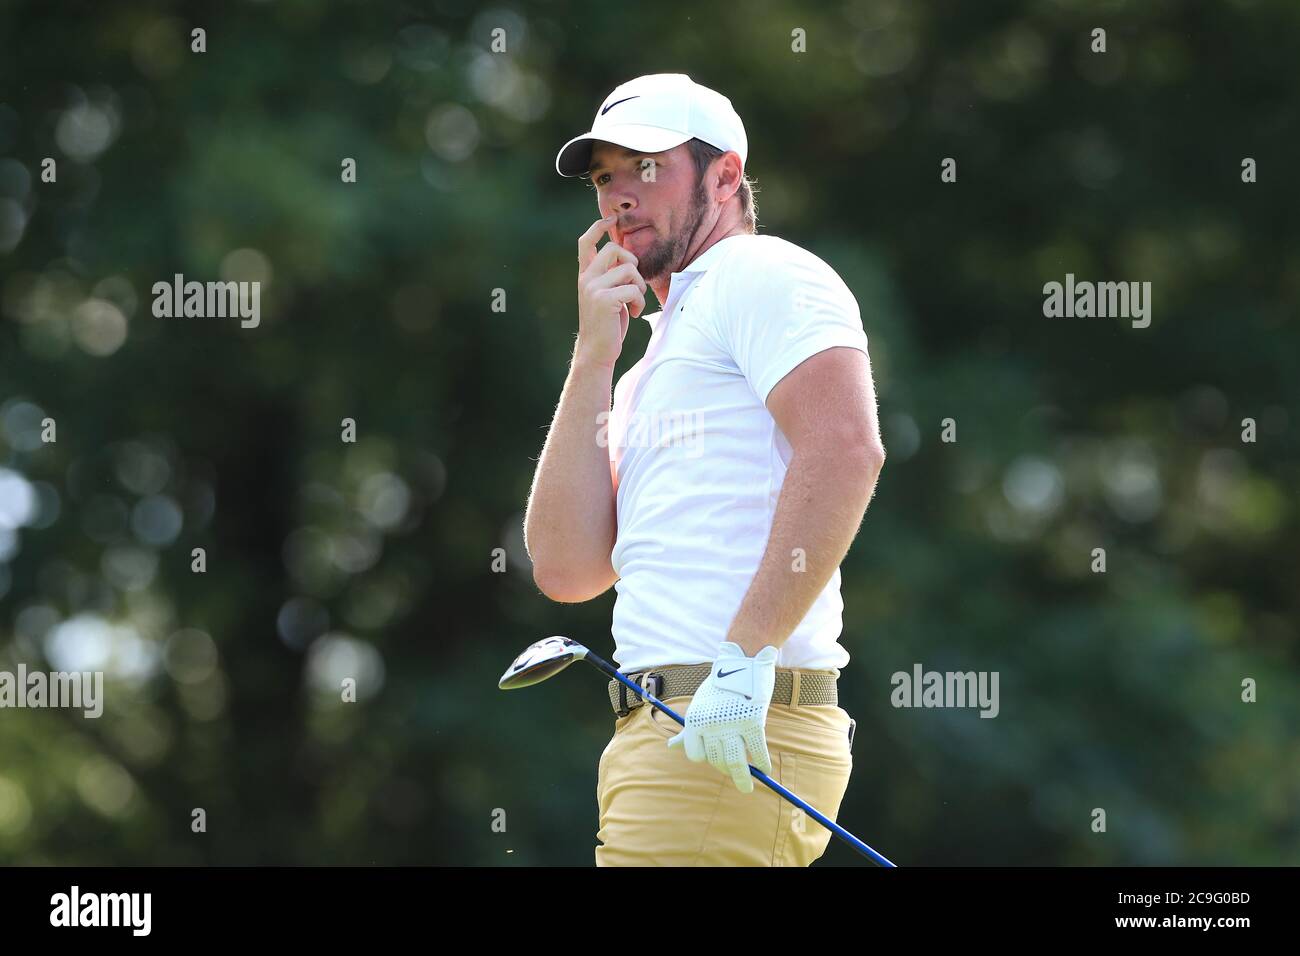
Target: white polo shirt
x=699, y=458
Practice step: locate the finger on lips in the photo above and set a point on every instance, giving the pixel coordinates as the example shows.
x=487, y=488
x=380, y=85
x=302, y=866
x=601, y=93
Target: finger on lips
x=587, y=243
x=612, y=269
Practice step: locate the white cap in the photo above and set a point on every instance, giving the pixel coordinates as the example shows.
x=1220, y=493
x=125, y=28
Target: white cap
x=657, y=112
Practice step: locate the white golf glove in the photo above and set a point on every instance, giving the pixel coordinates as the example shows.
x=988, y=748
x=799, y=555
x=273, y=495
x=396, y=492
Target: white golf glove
x=728, y=713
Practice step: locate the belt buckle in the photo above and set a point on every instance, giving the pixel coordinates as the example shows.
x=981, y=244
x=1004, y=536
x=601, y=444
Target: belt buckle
x=657, y=689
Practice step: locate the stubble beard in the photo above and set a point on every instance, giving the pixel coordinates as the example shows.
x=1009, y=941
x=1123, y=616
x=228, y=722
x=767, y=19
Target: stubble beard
x=665, y=255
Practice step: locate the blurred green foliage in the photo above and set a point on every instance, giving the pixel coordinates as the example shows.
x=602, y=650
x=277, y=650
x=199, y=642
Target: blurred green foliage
x=1119, y=690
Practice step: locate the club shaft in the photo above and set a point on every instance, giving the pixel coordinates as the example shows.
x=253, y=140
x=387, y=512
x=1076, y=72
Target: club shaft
x=607, y=668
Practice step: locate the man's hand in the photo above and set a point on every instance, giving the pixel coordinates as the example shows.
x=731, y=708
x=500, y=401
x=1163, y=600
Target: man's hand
x=728, y=713
x=610, y=293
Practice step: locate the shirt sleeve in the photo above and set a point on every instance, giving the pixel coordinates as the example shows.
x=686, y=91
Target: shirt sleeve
x=779, y=310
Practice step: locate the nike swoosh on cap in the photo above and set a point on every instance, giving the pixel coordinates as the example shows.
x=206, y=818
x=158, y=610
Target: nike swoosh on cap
x=616, y=102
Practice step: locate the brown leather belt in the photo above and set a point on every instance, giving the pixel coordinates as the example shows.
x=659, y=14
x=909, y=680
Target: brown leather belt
x=804, y=688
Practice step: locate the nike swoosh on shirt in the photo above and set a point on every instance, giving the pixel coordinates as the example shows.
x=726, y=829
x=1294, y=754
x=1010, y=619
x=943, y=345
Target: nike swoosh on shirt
x=616, y=102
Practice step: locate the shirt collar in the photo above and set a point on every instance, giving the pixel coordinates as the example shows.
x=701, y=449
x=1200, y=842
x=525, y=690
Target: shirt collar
x=710, y=256
x=679, y=282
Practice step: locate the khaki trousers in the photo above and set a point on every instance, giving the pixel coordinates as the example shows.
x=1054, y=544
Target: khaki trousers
x=658, y=808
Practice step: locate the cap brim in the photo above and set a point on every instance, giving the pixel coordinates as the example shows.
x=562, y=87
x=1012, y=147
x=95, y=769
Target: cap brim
x=574, y=158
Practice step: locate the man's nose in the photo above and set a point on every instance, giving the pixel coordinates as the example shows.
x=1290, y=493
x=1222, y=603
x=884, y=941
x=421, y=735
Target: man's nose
x=622, y=201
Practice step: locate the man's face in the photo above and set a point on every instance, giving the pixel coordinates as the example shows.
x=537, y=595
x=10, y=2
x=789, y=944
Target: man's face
x=659, y=201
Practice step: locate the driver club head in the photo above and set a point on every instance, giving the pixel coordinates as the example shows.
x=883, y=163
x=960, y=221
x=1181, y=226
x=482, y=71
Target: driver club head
x=541, y=660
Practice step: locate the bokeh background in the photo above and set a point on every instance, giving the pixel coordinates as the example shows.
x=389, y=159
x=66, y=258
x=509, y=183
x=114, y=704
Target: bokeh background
x=374, y=559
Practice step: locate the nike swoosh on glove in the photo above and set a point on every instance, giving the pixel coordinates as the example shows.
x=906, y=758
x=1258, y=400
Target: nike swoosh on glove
x=728, y=713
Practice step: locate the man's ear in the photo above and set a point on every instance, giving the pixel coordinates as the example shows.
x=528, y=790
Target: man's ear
x=727, y=175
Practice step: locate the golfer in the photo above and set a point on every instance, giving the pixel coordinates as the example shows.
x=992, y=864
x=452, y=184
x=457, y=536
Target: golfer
x=717, y=493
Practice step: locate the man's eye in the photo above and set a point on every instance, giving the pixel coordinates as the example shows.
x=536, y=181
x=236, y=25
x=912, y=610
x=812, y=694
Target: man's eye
x=600, y=180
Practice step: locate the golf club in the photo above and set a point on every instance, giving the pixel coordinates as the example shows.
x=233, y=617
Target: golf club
x=549, y=656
